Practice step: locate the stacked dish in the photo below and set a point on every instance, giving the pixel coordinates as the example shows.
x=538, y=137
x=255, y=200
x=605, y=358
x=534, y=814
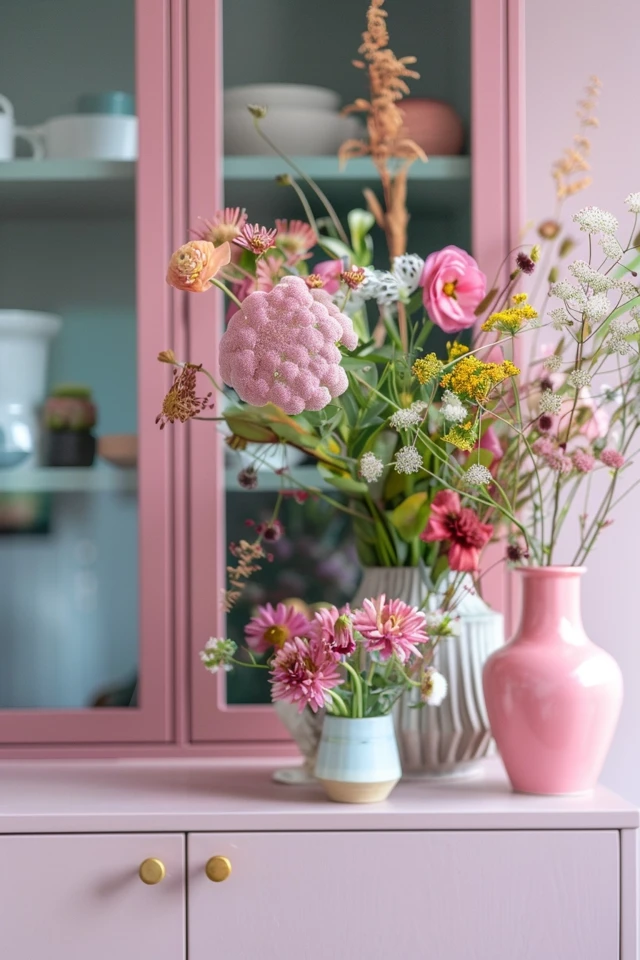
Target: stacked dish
x=301, y=120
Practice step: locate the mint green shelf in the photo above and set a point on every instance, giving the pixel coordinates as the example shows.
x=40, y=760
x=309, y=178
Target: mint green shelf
x=328, y=168
x=96, y=479
x=66, y=188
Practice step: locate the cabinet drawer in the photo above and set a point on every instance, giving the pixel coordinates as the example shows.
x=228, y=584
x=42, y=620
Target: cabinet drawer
x=522, y=895
x=80, y=897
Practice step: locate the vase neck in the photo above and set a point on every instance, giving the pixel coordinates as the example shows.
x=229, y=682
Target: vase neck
x=551, y=605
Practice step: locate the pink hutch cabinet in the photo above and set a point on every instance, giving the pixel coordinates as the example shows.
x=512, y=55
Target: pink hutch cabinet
x=135, y=817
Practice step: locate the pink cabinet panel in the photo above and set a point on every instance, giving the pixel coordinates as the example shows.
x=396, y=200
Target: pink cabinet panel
x=80, y=897
x=451, y=896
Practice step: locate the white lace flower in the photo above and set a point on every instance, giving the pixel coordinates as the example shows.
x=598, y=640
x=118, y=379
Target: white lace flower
x=440, y=624
x=552, y=363
x=595, y=220
x=563, y=290
x=218, y=653
x=610, y=247
x=550, y=402
x=477, y=475
x=579, y=379
x=433, y=688
x=616, y=343
x=408, y=460
x=624, y=326
x=560, y=319
x=407, y=270
x=370, y=467
x=403, y=419
x=453, y=409
x=626, y=288
x=633, y=202
x=597, y=307
x=587, y=275
x=634, y=313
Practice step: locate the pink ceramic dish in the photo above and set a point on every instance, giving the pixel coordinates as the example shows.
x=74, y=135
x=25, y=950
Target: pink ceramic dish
x=434, y=125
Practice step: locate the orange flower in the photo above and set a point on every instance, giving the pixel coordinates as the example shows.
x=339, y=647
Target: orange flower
x=194, y=264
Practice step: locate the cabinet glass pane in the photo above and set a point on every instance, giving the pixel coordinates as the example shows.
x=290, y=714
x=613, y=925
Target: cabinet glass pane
x=68, y=526
x=275, y=41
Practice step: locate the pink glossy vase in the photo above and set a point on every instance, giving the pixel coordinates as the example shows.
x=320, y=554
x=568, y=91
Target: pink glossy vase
x=553, y=697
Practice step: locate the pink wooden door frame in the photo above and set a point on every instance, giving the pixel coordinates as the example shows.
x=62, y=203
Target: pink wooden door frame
x=151, y=720
x=497, y=92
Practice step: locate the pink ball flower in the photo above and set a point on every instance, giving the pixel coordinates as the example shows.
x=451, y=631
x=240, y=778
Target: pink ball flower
x=303, y=672
x=452, y=287
x=281, y=347
x=583, y=461
x=274, y=626
x=613, y=459
x=392, y=627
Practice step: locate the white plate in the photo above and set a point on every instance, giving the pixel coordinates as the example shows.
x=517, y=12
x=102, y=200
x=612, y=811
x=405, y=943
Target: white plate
x=295, y=131
x=282, y=95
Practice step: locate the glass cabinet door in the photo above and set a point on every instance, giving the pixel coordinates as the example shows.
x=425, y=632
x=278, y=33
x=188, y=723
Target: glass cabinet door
x=84, y=644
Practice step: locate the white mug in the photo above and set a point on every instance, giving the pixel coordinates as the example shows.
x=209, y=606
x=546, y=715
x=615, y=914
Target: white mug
x=9, y=132
x=97, y=136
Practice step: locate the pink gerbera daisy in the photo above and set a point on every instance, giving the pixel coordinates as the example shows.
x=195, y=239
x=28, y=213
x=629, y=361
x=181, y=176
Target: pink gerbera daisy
x=296, y=239
x=274, y=626
x=392, y=627
x=224, y=225
x=256, y=238
x=303, y=672
x=461, y=526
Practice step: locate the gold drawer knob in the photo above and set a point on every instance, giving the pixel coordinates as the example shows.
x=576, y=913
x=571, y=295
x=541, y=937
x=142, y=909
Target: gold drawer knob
x=152, y=871
x=218, y=869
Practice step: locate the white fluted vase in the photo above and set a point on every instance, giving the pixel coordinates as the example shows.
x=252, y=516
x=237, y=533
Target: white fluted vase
x=450, y=740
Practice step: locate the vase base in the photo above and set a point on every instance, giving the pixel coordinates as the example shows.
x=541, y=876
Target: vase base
x=554, y=793
x=293, y=776
x=342, y=792
x=462, y=771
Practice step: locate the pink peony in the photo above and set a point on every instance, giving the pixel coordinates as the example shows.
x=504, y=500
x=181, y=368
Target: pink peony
x=392, y=627
x=280, y=347
x=303, y=672
x=449, y=520
x=452, y=287
x=273, y=627
x=336, y=630
x=613, y=459
x=330, y=271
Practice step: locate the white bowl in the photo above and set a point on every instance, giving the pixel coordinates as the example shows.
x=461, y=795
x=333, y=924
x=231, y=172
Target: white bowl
x=282, y=95
x=295, y=131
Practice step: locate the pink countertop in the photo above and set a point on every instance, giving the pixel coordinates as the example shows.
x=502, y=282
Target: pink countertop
x=197, y=795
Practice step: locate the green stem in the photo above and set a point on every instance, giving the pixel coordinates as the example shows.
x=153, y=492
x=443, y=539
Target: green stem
x=225, y=289
x=357, y=711
x=339, y=703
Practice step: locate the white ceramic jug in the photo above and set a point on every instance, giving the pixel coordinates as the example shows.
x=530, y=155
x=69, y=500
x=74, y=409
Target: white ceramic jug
x=9, y=132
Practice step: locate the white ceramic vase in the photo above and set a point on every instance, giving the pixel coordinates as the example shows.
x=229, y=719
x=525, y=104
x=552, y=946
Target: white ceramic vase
x=450, y=740
x=305, y=728
x=358, y=760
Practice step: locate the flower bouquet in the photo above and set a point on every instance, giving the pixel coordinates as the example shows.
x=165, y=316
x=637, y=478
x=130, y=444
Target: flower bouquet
x=353, y=665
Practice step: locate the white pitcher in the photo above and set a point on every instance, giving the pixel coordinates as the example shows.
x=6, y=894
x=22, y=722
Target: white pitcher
x=9, y=132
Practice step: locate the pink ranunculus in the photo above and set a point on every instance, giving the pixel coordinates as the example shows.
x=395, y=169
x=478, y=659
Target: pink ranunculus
x=194, y=264
x=330, y=271
x=303, y=672
x=452, y=287
x=461, y=526
x=391, y=627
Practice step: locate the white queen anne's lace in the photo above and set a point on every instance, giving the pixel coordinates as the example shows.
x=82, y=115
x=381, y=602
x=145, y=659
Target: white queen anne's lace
x=610, y=247
x=453, y=409
x=552, y=363
x=550, y=402
x=597, y=307
x=403, y=419
x=598, y=282
x=370, y=467
x=560, y=319
x=408, y=460
x=633, y=202
x=477, y=475
x=579, y=379
x=595, y=220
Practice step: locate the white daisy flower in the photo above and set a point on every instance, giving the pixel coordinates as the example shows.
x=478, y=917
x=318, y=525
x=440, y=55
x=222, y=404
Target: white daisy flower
x=408, y=460
x=453, y=409
x=370, y=467
x=595, y=220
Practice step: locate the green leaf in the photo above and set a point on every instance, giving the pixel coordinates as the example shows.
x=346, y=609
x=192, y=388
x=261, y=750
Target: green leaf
x=360, y=223
x=364, y=439
x=290, y=435
x=481, y=456
x=344, y=483
x=336, y=247
x=410, y=517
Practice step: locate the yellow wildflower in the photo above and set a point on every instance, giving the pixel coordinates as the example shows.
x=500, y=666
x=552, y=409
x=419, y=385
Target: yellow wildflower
x=463, y=437
x=455, y=350
x=472, y=379
x=426, y=368
x=535, y=252
x=511, y=319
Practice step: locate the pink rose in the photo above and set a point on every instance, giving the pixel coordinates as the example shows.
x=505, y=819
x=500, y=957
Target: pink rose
x=452, y=287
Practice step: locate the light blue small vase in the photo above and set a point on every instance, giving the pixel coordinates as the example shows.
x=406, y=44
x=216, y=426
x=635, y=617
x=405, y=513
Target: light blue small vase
x=358, y=760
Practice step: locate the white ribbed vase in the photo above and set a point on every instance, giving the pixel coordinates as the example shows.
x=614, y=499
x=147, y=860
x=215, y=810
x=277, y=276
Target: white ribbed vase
x=450, y=740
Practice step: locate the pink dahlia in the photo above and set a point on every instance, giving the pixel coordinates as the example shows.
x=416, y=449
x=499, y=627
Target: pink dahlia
x=461, y=526
x=281, y=347
x=613, y=459
x=303, y=672
x=329, y=271
x=336, y=630
x=296, y=239
x=256, y=238
x=452, y=287
x=391, y=627
x=274, y=626
x=224, y=225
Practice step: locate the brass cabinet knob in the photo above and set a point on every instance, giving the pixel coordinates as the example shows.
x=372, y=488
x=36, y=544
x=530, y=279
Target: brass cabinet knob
x=152, y=871
x=218, y=869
